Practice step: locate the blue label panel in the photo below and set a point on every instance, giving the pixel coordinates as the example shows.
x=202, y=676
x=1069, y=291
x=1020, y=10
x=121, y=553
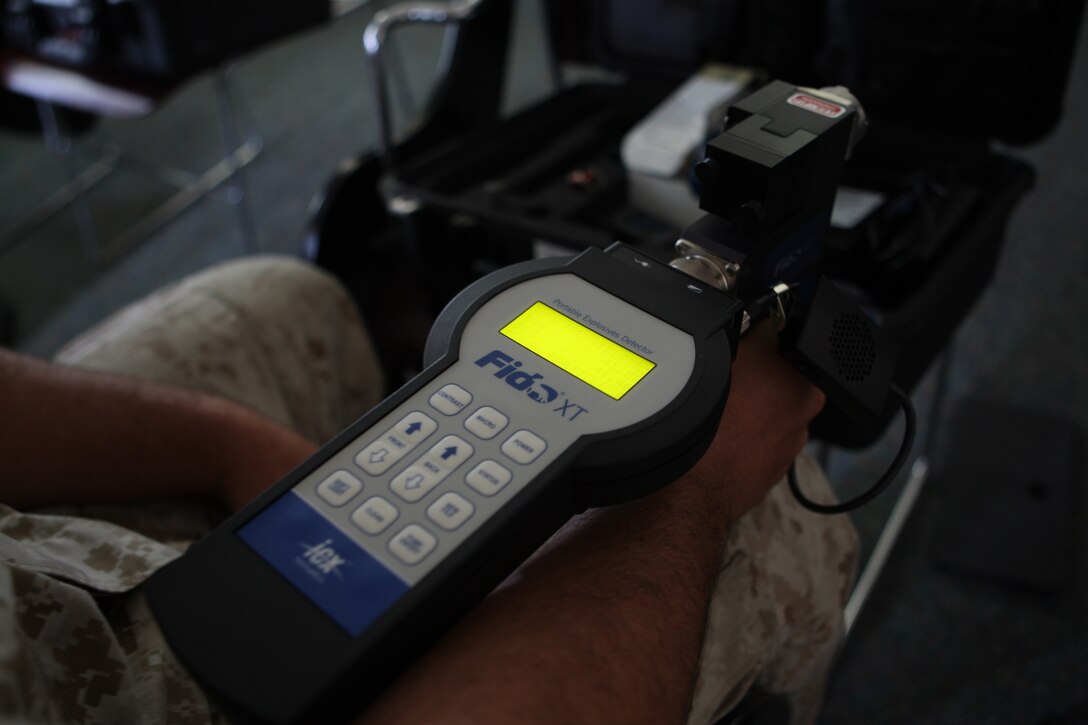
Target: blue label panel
x=342, y=579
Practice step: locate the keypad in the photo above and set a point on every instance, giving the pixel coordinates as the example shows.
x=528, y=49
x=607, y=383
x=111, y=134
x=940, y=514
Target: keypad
x=432, y=477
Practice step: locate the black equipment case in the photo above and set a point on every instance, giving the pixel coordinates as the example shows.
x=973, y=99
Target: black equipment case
x=941, y=84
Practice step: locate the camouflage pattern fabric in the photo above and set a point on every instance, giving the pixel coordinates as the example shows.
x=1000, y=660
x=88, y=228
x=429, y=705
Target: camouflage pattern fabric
x=78, y=643
x=78, y=647
x=775, y=619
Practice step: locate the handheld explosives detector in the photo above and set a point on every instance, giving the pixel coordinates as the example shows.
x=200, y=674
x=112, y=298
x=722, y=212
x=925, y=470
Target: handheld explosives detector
x=549, y=387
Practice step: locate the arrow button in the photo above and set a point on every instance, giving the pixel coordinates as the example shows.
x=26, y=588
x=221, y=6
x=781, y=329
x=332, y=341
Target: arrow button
x=414, y=483
x=448, y=453
x=395, y=443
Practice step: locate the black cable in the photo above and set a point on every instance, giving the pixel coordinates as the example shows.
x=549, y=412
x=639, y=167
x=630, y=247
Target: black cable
x=879, y=486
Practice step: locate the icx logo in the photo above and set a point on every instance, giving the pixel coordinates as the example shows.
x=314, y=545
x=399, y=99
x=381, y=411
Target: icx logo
x=509, y=370
x=321, y=560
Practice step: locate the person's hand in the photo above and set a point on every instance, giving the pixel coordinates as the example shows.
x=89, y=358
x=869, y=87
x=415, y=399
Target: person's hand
x=255, y=454
x=73, y=435
x=764, y=427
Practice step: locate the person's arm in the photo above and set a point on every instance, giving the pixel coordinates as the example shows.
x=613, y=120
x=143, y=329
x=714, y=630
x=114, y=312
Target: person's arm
x=68, y=435
x=605, y=622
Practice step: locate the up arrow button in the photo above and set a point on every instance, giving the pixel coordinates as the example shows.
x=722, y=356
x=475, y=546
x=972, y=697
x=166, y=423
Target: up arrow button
x=397, y=442
x=448, y=453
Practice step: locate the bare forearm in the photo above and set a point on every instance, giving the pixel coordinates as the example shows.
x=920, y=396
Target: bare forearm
x=69, y=435
x=603, y=624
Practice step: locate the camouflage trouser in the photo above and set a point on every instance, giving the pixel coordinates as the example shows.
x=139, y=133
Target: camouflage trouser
x=79, y=645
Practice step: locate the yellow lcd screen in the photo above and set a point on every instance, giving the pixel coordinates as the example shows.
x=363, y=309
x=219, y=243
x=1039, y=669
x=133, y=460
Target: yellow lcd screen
x=587, y=355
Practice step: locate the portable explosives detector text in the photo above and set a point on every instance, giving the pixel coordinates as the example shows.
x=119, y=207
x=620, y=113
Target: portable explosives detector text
x=550, y=386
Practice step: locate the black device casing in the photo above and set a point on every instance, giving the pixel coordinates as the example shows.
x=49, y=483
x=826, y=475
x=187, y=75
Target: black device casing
x=267, y=653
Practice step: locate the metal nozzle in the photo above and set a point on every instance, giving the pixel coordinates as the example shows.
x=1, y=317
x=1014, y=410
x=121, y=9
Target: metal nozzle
x=696, y=262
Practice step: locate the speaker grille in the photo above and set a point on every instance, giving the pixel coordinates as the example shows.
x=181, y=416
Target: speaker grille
x=852, y=347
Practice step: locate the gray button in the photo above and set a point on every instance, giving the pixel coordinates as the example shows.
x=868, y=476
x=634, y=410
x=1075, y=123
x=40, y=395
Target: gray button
x=486, y=422
x=447, y=454
x=414, y=483
x=488, y=478
x=395, y=443
x=375, y=515
x=450, y=511
x=413, y=544
x=339, y=488
x=451, y=399
x=524, y=446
